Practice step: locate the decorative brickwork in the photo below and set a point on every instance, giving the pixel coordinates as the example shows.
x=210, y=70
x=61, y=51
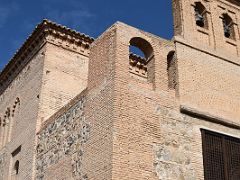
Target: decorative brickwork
x=46, y=31
x=138, y=65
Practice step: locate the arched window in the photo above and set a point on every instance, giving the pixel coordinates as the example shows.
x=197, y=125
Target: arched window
x=136, y=51
x=141, y=47
x=16, y=167
x=228, y=26
x=140, y=55
x=171, y=70
x=200, y=15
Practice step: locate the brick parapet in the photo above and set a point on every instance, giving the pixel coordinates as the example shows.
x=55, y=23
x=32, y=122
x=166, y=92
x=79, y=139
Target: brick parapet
x=62, y=110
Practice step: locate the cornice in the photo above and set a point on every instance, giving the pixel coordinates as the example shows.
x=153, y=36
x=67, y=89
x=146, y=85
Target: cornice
x=46, y=31
x=208, y=116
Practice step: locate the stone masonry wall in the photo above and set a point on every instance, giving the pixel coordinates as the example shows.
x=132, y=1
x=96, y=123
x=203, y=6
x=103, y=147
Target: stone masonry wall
x=61, y=140
x=2, y=164
x=178, y=155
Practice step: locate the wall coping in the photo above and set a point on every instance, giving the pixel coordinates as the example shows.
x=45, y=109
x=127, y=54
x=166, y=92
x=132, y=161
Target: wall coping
x=63, y=110
x=198, y=113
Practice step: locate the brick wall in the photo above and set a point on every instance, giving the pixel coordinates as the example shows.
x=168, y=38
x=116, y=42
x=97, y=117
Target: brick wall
x=26, y=87
x=137, y=127
x=65, y=76
x=213, y=82
x=123, y=125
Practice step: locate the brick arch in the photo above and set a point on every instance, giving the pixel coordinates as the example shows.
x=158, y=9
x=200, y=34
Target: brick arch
x=142, y=65
x=172, y=70
x=16, y=167
x=143, y=45
x=228, y=26
x=201, y=15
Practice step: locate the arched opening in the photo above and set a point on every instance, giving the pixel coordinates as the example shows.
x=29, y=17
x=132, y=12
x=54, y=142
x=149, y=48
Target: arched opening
x=7, y=127
x=171, y=70
x=136, y=51
x=140, y=56
x=142, y=47
x=16, y=167
x=228, y=26
x=200, y=15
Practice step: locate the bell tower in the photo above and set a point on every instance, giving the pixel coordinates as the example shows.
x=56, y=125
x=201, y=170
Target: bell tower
x=207, y=52
x=211, y=24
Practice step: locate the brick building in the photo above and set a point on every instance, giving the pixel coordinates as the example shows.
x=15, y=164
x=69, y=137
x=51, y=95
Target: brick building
x=72, y=107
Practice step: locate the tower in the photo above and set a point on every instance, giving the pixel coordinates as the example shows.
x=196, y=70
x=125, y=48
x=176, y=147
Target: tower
x=207, y=45
x=209, y=24
x=46, y=72
x=207, y=52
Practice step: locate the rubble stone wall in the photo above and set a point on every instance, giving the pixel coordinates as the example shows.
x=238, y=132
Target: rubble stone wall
x=2, y=165
x=62, y=141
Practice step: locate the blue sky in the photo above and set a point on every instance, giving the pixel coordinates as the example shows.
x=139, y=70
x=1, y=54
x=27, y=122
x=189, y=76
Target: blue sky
x=18, y=18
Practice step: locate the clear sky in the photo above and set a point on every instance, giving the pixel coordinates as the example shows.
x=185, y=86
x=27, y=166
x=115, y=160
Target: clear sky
x=18, y=18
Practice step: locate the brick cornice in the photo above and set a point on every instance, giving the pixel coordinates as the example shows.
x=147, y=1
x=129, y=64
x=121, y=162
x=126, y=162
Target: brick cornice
x=195, y=112
x=46, y=31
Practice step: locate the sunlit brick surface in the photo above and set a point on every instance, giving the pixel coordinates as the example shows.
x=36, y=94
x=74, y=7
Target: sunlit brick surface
x=76, y=108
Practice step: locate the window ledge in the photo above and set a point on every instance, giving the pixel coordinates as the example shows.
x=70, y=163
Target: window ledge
x=203, y=30
x=231, y=41
x=195, y=112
